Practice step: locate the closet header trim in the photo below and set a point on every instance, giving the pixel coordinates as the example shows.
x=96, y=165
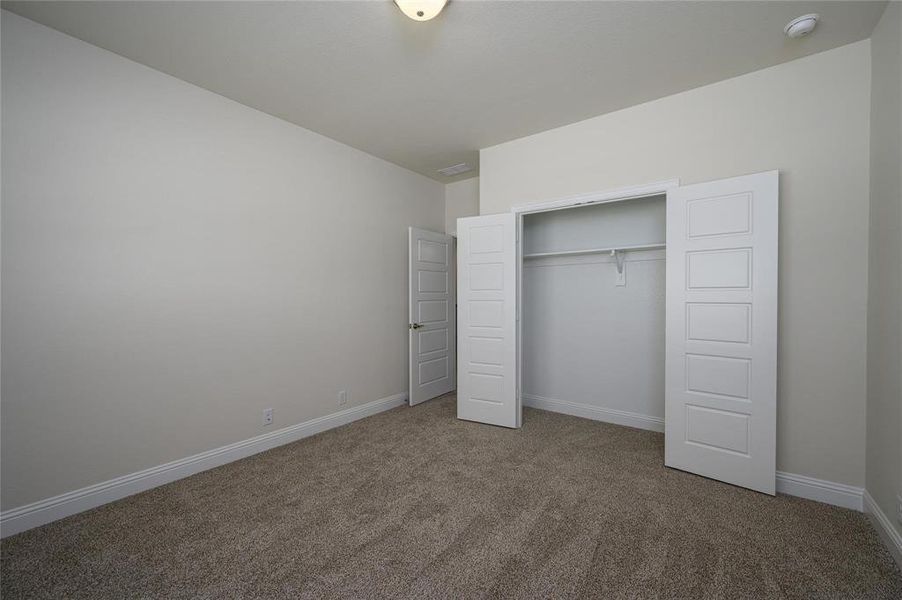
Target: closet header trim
x=625, y=193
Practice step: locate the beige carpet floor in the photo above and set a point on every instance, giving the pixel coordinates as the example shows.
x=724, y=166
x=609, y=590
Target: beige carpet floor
x=413, y=503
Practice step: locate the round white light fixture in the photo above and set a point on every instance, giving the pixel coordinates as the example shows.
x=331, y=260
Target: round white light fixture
x=421, y=10
x=801, y=26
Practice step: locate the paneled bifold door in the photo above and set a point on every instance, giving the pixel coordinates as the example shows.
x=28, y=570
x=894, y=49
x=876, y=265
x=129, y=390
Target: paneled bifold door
x=486, y=317
x=721, y=338
x=721, y=327
x=431, y=315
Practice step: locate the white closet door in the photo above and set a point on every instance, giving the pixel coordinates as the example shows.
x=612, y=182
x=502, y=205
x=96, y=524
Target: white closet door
x=721, y=315
x=486, y=318
x=431, y=315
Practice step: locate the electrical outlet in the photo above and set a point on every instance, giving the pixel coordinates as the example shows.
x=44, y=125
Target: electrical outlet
x=342, y=398
x=267, y=416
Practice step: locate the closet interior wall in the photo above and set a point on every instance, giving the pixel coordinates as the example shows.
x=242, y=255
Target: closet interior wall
x=588, y=341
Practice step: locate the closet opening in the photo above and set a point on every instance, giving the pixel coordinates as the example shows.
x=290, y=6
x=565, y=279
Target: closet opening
x=568, y=305
x=592, y=308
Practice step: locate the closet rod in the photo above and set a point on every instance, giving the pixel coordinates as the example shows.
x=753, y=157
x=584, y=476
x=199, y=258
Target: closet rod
x=595, y=250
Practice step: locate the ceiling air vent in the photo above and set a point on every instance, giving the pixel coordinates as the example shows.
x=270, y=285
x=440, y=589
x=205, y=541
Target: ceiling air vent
x=455, y=169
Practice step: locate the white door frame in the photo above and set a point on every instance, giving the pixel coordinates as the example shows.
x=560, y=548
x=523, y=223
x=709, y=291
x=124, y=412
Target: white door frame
x=634, y=192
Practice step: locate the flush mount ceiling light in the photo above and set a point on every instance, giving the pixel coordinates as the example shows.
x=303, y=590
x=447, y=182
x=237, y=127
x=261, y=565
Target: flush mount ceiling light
x=801, y=26
x=421, y=10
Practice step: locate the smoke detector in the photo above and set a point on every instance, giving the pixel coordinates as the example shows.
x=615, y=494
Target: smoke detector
x=455, y=169
x=801, y=26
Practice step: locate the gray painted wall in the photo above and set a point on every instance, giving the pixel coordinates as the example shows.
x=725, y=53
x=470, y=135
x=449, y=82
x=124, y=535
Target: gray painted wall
x=174, y=262
x=461, y=200
x=884, y=423
x=809, y=118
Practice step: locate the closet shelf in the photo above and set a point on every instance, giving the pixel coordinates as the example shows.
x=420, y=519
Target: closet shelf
x=595, y=251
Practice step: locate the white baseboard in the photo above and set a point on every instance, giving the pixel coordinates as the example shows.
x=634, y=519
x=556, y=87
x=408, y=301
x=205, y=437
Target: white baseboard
x=828, y=492
x=596, y=413
x=46, y=511
x=889, y=534
x=837, y=494
x=51, y=509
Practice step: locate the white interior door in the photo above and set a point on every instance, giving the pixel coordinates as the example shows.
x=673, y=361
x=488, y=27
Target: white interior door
x=721, y=322
x=432, y=315
x=486, y=314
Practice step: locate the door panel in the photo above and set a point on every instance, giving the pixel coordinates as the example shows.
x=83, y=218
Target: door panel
x=721, y=322
x=431, y=316
x=487, y=296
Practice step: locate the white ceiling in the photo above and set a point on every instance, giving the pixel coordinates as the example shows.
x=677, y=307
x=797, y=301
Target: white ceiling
x=429, y=95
